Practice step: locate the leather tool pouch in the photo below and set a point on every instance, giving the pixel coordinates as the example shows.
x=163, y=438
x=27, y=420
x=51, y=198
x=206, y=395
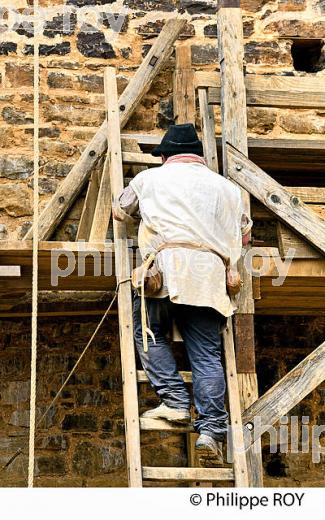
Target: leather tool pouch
x=153, y=280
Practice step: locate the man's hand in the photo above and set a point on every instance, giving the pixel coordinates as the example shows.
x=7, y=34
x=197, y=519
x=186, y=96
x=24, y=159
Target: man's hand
x=246, y=239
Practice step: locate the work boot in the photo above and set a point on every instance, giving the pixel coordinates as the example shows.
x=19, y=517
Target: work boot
x=209, y=451
x=170, y=414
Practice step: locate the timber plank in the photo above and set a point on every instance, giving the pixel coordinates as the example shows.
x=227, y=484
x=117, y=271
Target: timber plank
x=290, y=209
x=183, y=87
x=288, y=392
x=208, y=131
x=276, y=91
x=187, y=474
x=70, y=188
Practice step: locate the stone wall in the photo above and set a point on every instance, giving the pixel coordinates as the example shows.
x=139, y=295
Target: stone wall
x=72, y=63
x=81, y=442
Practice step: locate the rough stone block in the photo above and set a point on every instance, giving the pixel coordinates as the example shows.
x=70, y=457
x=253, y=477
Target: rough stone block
x=15, y=200
x=298, y=28
x=15, y=392
x=78, y=116
x=7, y=48
x=91, y=397
x=61, y=25
x=16, y=167
x=55, y=442
x=83, y=422
x=150, y=5
x=49, y=465
x=253, y=5
x=268, y=53
x=61, y=49
x=204, y=54
x=14, y=116
x=199, y=7
x=94, y=45
x=302, y=123
x=19, y=75
x=57, y=169
x=90, y=460
x=261, y=120
x=292, y=5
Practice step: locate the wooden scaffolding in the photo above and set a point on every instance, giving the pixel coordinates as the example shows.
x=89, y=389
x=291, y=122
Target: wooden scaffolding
x=296, y=210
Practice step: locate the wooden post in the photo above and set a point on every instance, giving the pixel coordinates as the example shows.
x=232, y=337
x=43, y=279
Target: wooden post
x=208, y=130
x=184, y=90
x=122, y=268
x=234, y=122
x=89, y=206
x=139, y=85
x=237, y=434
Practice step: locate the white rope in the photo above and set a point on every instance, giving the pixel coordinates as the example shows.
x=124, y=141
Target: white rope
x=32, y=417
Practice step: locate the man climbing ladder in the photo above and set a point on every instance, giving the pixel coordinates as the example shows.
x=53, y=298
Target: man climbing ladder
x=192, y=219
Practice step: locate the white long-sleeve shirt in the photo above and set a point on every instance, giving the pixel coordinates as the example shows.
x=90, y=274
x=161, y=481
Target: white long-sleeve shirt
x=187, y=202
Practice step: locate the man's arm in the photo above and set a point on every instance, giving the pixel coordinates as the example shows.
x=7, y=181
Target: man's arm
x=246, y=229
x=126, y=205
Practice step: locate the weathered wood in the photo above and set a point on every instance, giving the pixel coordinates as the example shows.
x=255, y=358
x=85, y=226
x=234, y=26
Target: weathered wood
x=142, y=377
x=164, y=426
x=70, y=188
x=138, y=158
x=276, y=91
x=288, y=392
x=123, y=270
x=131, y=147
x=237, y=436
x=208, y=131
x=290, y=209
x=234, y=130
x=244, y=334
x=89, y=206
x=183, y=88
x=289, y=241
x=187, y=474
x=103, y=209
x=11, y=271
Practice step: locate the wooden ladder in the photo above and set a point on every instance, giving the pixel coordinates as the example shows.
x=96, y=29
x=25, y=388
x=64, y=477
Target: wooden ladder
x=133, y=424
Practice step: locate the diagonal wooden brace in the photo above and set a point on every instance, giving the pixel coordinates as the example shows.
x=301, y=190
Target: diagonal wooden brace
x=70, y=188
x=286, y=206
x=284, y=395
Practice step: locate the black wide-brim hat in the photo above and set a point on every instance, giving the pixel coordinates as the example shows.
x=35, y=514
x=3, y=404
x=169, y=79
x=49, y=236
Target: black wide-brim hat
x=179, y=139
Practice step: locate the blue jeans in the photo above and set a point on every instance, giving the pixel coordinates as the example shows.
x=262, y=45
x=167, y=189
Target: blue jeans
x=200, y=329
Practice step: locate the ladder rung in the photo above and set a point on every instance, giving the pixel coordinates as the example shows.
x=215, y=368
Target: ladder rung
x=142, y=377
x=189, y=474
x=165, y=426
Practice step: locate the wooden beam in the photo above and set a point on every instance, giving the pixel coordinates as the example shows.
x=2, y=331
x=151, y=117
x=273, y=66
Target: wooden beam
x=288, y=392
x=103, y=209
x=123, y=271
x=288, y=208
x=188, y=474
x=89, y=206
x=270, y=91
x=139, y=158
x=208, y=131
x=234, y=130
x=183, y=88
x=11, y=271
x=70, y=188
